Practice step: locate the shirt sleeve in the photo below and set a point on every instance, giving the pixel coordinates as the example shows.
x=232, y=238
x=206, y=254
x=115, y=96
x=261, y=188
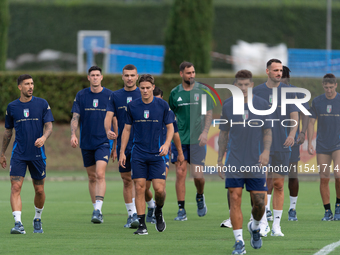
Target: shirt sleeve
x=171, y=104
x=175, y=127
x=9, y=123
x=111, y=105
x=169, y=116
x=76, y=104
x=313, y=110
x=128, y=115
x=47, y=113
x=224, y=117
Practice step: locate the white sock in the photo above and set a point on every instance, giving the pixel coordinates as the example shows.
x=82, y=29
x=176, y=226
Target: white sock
x=131, y=209
x=251, y=216
x=238, y=233
x=151, y=203
x=264, y=219
x=255, y=224
x=94, y=206
x=268, y=201
x=293, y=201
x=38, y=212
x=133, y=201
x=17, y=216
x=277, y=218
x=99, y=204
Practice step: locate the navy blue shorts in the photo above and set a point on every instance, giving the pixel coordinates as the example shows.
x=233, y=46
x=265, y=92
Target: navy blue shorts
x=193, y=153
x=147, y=165
x=279, y=163
x=127, y=161
x=37, y=168
x=90, y=157
x=252, y=184
x=295, y=154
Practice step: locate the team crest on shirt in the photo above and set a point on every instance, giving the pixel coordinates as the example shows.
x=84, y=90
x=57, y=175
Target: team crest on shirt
x=128, y=99
x=26, y=112
x=245, y=115
x=329, y=108
x=146, y=114
x=95, y=102
x=270, y=99
x=197, y=97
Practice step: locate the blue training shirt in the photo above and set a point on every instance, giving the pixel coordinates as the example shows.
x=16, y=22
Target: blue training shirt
x=306, y=105
x=245, y=143
x=28, y=120
x=327, y=111
x=118, y=104
x=92, y=109
x=147, y=121
x=280, y=133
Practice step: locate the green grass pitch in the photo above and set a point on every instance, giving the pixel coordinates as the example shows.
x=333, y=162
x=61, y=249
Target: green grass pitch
x=68, y=230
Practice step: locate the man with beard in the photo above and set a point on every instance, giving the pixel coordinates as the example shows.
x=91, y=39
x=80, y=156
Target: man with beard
x=185, y=102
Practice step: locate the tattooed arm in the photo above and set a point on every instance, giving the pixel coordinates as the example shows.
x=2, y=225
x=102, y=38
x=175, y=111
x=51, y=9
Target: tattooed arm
x=204, y=136
x=5, y=142
x=267, y=142
x=222, y=147
x=74, y=127
x=47, y=132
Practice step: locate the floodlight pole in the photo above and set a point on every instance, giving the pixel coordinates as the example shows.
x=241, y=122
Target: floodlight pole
x=329, y=35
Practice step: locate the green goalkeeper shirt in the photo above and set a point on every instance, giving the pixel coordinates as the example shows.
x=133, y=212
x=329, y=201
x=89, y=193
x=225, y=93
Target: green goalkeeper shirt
x=187, y=106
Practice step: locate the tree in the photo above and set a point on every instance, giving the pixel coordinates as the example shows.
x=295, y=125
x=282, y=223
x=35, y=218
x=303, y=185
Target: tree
x=188, y=35
x=4, y=23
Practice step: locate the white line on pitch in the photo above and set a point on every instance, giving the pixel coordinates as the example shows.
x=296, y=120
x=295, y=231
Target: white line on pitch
x=327, y=249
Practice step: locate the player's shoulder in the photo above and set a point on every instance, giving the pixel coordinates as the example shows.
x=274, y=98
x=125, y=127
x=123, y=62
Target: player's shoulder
x=259, y=101
x=160, y=102
x=259, y=87
x=135, y=103
x=39, y=100
x=83, y=92
x=200, y=86
x=107, y=91
x=118, y=92
x=319, y=99
x=176, y=89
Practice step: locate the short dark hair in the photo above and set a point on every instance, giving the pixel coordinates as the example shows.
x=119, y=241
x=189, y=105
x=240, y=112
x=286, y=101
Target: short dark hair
x=184, y=65
x=94, y=68
x=157, y=92
x=23, y=77
x=129, y=67
x=273, y=60
x=329, y=78
x=243, y=75
x=285, y=72
x=146, y=78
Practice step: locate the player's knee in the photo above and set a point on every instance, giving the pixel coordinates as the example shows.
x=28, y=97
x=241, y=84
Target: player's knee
x=16, y=188
x=39, y=191
x=278, y=185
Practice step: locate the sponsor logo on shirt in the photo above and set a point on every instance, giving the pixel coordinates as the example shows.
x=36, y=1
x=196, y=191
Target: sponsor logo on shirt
x=26, y=112
x=146, y=114
x=179, y=99
x=95, y=102
x=329, y=108
x=197, y=97
x=128, y=99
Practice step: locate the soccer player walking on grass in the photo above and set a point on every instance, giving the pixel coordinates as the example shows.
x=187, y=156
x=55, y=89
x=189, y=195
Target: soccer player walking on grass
x=283, y=139
x=146, y=116
x=326, y=109
x=89, y=108
x=116, y=110
x=248, y=146
x=31, y=117
x=193, y=127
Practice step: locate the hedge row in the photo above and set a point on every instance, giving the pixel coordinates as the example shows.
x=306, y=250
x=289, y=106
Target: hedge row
x=60, y=89
x=56, y=26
